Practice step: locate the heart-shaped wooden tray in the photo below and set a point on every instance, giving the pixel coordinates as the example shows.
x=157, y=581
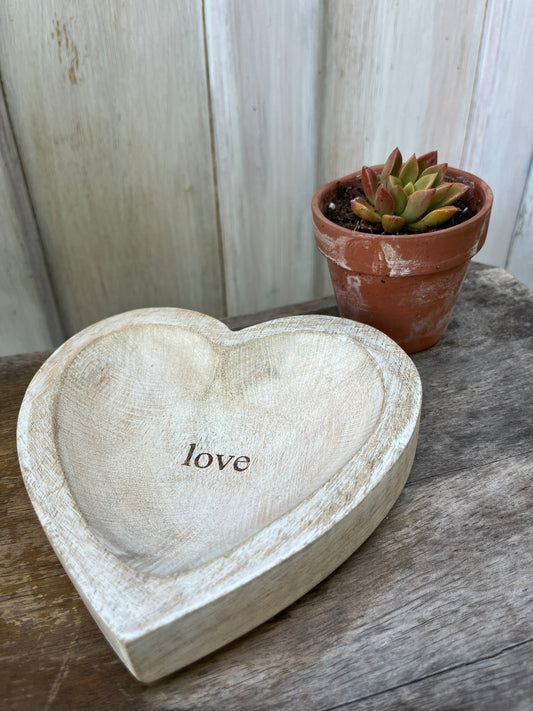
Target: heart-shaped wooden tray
x=194, y=481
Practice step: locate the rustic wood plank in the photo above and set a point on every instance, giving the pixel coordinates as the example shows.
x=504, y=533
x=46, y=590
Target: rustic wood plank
x=442, y=586
x=520, y=257
x=477, y=396
x=263, y=64
x=115, y=140
x=491, y=684
x=384, y=61
x=325, y=305
x=28, y=313
x=500, y=132
x=443, y=582
x=413, y=602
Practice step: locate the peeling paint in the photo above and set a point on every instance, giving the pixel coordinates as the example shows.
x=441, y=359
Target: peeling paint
x=397, y=265
x=332, y=248
x=353, y=282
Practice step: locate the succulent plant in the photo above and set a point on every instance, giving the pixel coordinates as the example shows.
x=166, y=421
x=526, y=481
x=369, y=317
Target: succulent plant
x=413, y=194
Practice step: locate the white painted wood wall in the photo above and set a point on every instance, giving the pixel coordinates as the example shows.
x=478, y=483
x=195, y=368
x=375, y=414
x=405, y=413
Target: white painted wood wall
x=165, y=153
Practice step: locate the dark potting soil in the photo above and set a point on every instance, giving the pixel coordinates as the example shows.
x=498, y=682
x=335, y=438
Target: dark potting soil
x=340, y=212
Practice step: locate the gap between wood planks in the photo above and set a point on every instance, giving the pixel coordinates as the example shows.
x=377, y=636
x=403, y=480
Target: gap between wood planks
x=220, y=241
x=440, y=672
x=451, y=472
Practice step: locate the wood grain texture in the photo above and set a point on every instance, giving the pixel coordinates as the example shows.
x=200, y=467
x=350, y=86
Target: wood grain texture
x=111, y=118
x=477, y=403
x=303, y=433
x=263, y=64
x=492, y=684
x=383, y=88
x=434, y=611
x=499, y=140
x=28, y=314
x=113, y=111
x=520, y=257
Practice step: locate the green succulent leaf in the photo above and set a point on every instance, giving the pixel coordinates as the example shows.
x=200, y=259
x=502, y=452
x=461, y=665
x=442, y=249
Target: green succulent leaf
x=391, y=181
x=417, y=204
x=440, y=171
x=369, y=182
x=392, y=223
x=426, y=160
x=441, y=193
x=400, y=198
x=456, y=191
x=412, y=194
x=409, y=171
x=434, y=218
x=365, y=211
x=384, y=203
x=426, y=181
x=392, y=165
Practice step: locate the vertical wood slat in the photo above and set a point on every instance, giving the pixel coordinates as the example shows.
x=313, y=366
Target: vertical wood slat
x=396, y=74
x=263, y=64
x=520, y=258
x=28, y=314
x=499, y=141
x=109, y=106
x=116, y=146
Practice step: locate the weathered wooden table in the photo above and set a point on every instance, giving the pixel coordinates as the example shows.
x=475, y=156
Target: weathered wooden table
x=434, y=611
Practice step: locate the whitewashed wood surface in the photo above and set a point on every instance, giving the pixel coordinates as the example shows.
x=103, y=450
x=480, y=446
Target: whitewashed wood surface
x=499, y=139
x=28, y=314
x=264, y=59
x=520, y=256
x=170, y=150
x=194, y=481
x=109, y=104
x=396, y=76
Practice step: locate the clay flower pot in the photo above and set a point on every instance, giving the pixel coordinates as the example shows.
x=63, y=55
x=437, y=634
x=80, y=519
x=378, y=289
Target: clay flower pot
x=405, y=285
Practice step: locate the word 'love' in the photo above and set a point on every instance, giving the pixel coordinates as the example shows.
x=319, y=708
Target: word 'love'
x=205, y=459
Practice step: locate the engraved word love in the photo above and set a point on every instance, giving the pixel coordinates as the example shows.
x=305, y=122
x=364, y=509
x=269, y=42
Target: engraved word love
x=205, y=459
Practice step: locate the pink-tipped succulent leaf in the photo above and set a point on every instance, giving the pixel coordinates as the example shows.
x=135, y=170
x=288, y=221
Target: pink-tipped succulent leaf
x=412, y=195
x=392, y=223
x=370, y=183
x=384, y=203
x=440, y=171
x=427, y=160
x=365, y=211
x=434, y=218
x=455, y=191
x=392, y=165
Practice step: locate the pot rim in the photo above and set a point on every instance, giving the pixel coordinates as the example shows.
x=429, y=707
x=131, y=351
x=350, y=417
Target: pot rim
x=478, y=182
x=402, y=254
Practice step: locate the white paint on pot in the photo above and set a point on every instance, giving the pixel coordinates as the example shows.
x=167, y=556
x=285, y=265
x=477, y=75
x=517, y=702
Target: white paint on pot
x=332, y=248
x=397, y=265
x=353, y=282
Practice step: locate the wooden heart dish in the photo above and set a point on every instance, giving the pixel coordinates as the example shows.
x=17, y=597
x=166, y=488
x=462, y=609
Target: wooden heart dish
x=193, y=481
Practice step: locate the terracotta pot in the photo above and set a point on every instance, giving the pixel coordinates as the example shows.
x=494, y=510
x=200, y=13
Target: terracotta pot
x=404, y=285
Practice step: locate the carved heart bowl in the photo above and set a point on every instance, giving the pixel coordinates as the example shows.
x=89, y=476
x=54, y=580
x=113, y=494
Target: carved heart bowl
x=194, y=481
